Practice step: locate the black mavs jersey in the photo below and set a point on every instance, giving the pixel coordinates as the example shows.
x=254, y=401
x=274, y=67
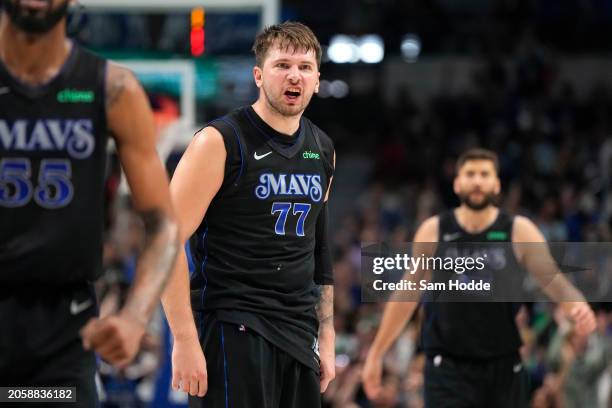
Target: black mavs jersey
x=471, y=329
x=52, y=166
x=253, y=254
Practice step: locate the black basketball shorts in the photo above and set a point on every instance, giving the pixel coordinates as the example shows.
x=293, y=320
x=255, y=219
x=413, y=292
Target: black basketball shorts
x=40, y=344
x=246, y=371
x=451, y=383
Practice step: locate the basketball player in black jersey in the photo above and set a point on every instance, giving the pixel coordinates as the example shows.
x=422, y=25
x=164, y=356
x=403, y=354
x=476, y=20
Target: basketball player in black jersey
x=250, y=192
x=472, y=347
x=58, y=103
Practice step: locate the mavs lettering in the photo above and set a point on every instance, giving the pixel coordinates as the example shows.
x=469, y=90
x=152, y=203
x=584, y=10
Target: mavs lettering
x=296, y=185
x=75, y=136
x=53, y=188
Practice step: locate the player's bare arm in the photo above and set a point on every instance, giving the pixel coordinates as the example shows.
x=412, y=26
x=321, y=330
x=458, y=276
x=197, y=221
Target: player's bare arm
x=325, y=314
x=536, y=258
x=396, y=314
x=116, y=338
x=325, y=308
x=196, y=181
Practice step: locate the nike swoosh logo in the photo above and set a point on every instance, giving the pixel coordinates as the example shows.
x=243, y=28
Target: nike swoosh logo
x=5, y=90
x=259, y=157
x=451, y=237
x=76, y=307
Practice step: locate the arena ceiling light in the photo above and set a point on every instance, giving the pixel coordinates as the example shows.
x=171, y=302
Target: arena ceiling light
x=411, y=47
x=335, y=89
x=343, y=49
x=371, y=49
x=338, y=89
x=324, y=91
x=347, y=49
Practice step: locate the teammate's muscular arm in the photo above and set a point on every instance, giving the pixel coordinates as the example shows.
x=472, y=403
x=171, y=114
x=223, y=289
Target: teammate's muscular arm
x=532, y=252
x=396, y=314
x=196, y=181
x=325, y=309
x=117, y=337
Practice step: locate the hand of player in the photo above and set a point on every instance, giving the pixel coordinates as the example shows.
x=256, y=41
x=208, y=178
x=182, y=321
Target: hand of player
x=116, y=338
x=189, y=367
x=372, y=376
x=583, y=317
x=327, y=355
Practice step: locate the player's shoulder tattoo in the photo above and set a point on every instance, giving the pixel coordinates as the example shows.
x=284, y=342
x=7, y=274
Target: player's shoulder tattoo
x=116, y=82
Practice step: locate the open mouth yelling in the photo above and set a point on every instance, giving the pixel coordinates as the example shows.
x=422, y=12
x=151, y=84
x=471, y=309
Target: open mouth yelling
x=292, y=94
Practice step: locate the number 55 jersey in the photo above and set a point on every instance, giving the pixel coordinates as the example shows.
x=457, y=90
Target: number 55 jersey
x=252, y=258
x=52, y=167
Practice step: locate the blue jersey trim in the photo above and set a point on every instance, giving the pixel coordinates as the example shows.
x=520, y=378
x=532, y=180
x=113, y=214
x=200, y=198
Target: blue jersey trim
x=190, y=262
x=203, y=270
x=224, y=365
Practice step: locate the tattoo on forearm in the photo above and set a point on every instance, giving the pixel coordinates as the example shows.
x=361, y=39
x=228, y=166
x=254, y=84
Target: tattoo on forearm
x=115, y=86
x=152, y=221
x=325, y=305
x=154, y=265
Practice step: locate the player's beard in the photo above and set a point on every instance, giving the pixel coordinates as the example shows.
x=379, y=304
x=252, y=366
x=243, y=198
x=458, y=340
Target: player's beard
x=487, y=200
x=283, y=109
x=34, y=22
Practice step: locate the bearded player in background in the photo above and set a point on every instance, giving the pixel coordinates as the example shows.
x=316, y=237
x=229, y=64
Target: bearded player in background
x=471, y=347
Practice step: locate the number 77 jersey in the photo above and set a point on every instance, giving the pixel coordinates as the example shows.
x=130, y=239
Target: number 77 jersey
x=52, y=168
x=254, y=250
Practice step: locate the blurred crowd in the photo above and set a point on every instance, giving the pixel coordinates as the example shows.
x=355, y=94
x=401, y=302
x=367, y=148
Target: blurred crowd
x=556, y=167
x=462, y=26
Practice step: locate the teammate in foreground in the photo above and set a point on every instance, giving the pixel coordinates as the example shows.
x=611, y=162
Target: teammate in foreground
x=251, y=191
x=471, y=348
x=58, y=102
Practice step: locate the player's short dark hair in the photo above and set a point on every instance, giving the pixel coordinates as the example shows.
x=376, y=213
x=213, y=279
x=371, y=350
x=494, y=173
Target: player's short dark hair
x=478, y=153
x=289, y=35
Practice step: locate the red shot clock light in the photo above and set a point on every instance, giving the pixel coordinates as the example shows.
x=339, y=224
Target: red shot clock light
x=197, y=35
